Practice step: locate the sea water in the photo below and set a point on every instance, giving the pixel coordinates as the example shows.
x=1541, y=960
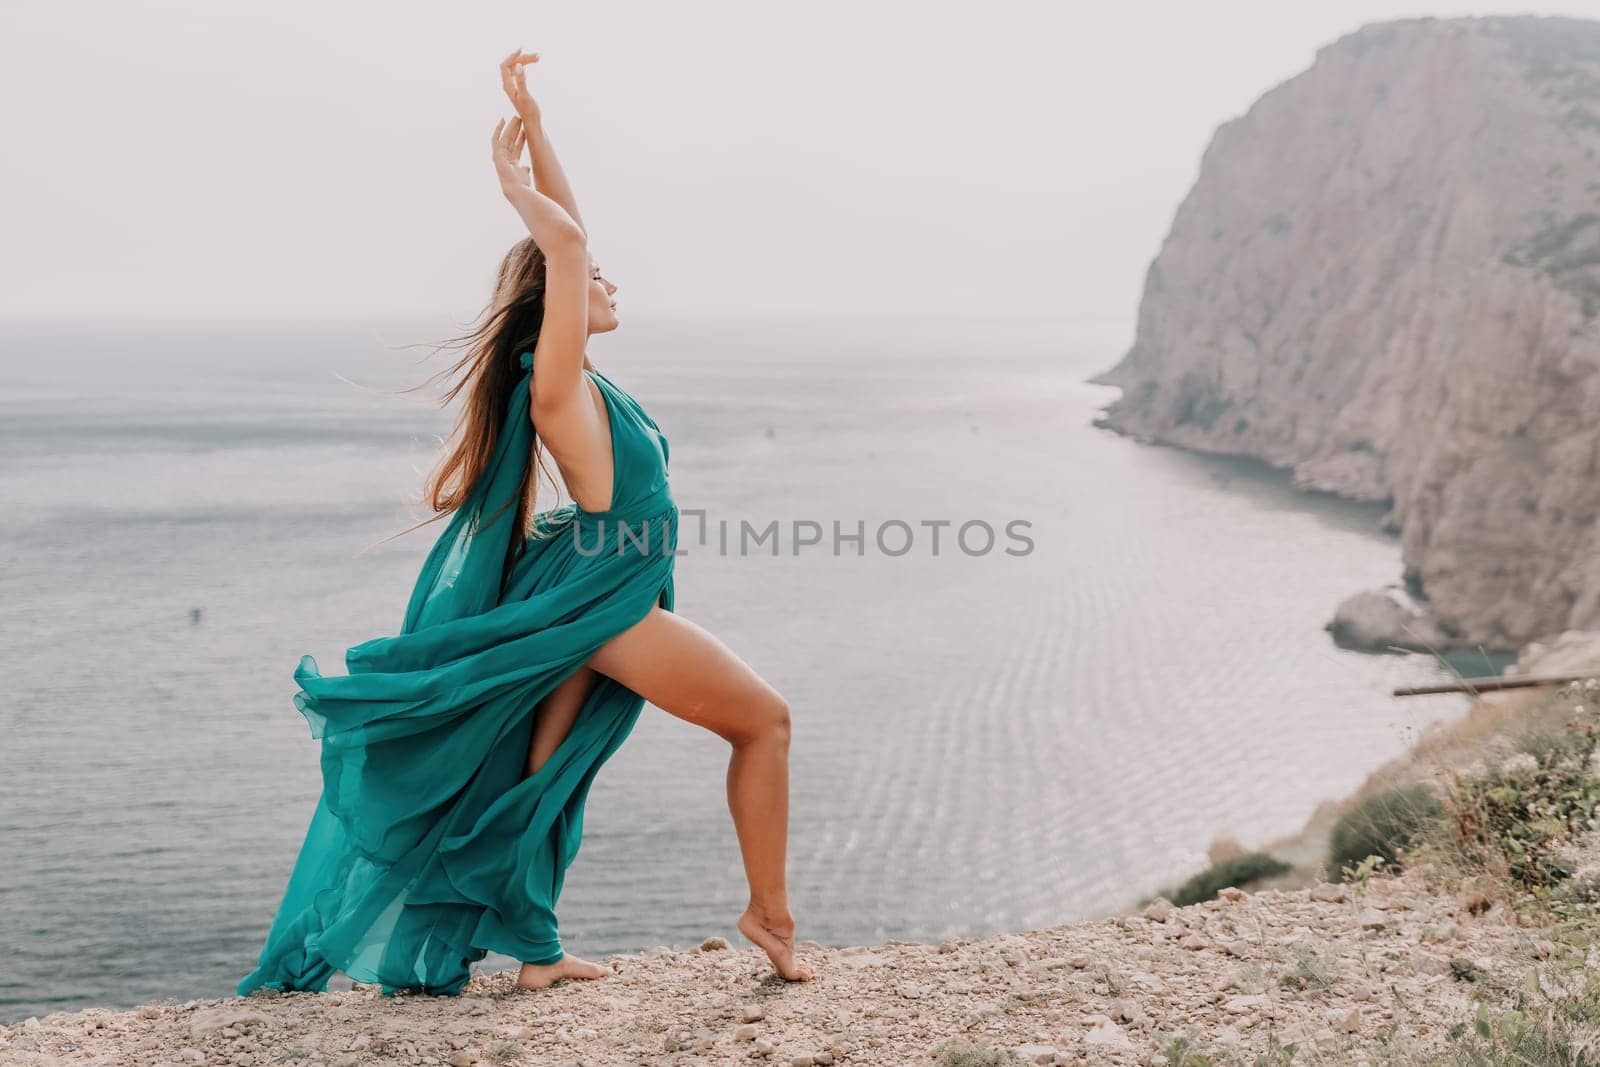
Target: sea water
x=984, y=738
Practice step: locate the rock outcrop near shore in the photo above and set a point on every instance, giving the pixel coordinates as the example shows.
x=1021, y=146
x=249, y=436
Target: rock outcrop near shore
x=1387, y=279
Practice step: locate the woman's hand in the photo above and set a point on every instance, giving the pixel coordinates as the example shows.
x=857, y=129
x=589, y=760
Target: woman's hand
x=552, y=227
x=514, y=81
x=506, y=145
x=548, y=177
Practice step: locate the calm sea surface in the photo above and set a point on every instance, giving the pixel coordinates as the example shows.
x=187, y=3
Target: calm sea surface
x=982, y=741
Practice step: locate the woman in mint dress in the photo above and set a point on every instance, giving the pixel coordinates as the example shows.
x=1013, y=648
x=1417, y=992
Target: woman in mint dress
x=456, y=755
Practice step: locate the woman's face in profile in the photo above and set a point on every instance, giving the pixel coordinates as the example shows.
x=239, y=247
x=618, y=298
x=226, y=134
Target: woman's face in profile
x=602, y=301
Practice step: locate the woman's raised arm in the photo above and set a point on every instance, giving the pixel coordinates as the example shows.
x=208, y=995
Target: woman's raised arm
x=548, y=177
x=565, y=330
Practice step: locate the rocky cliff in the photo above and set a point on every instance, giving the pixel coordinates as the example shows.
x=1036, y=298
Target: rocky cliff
x=1387, y=279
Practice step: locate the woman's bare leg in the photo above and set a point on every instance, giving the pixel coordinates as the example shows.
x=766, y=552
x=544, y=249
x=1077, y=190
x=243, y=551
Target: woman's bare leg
x=556, y=714
x=553, y=720
x=685, y=671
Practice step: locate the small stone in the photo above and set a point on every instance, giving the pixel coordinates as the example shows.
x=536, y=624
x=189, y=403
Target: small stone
x=1328, y=893
x=1194, y=942
x=1048, y=964
x=1145, y=980
x=209, y=1022
x=1107, y=1034
x=1348, y=1022
x=192, y=1055
x=460, y=1059
x=823, y=1058
x=1428, y=963
x=804, y=1059
x=764, y=1047
x=1233, y=893
x=746, y=1032
x=1158, y=910
x=753, y=1012
x=947, y=946
x=714, y=944
x=1032, y=1053
x=913, y=991
x=1373, y=919
x=1243, y=1005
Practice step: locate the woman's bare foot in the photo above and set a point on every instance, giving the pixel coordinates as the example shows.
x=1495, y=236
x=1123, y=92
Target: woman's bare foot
x=775, y=935
x=541, y=975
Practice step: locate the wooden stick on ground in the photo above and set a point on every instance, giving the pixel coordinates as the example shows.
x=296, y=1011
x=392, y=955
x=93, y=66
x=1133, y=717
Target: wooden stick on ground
x=1489, y=685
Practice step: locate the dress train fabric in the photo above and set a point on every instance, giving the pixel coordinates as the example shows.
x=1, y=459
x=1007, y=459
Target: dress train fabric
x=430, y=845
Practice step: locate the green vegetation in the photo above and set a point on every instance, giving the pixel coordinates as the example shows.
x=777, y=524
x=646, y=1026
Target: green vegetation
x=1200, y=402
x=1513, y=826
x=1553, y=1018
x=959, y=1052
x=1514, y=819
x=1565, y=250
x=1311, y=971
x=1383, y=825
x=1183, y=1052
x=1241, y=871
x=1186, y=1052
x=1556, y=237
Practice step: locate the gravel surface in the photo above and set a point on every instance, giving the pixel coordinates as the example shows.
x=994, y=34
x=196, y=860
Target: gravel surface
x=1328, y=967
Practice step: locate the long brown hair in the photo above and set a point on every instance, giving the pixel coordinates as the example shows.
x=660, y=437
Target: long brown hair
x=510, y=326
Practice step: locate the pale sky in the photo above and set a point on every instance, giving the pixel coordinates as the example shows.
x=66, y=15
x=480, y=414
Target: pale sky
x=289, y=157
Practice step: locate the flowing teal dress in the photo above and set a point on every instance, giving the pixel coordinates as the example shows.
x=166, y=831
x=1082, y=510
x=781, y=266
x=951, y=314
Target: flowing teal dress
x=430, y=847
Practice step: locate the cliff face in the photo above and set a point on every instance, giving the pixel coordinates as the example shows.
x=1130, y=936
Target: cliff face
x=1387, y=278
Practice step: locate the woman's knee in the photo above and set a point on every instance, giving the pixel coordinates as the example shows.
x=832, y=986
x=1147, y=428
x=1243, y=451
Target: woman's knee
x=768, y=719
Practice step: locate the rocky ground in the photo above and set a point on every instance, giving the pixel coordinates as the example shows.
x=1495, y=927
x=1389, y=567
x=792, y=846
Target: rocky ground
x=1339, y=970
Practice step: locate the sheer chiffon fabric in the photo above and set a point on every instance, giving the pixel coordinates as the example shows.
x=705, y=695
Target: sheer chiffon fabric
x=430, y=845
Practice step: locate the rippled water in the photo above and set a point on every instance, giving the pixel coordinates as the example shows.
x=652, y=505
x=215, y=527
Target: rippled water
x=982, y=742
